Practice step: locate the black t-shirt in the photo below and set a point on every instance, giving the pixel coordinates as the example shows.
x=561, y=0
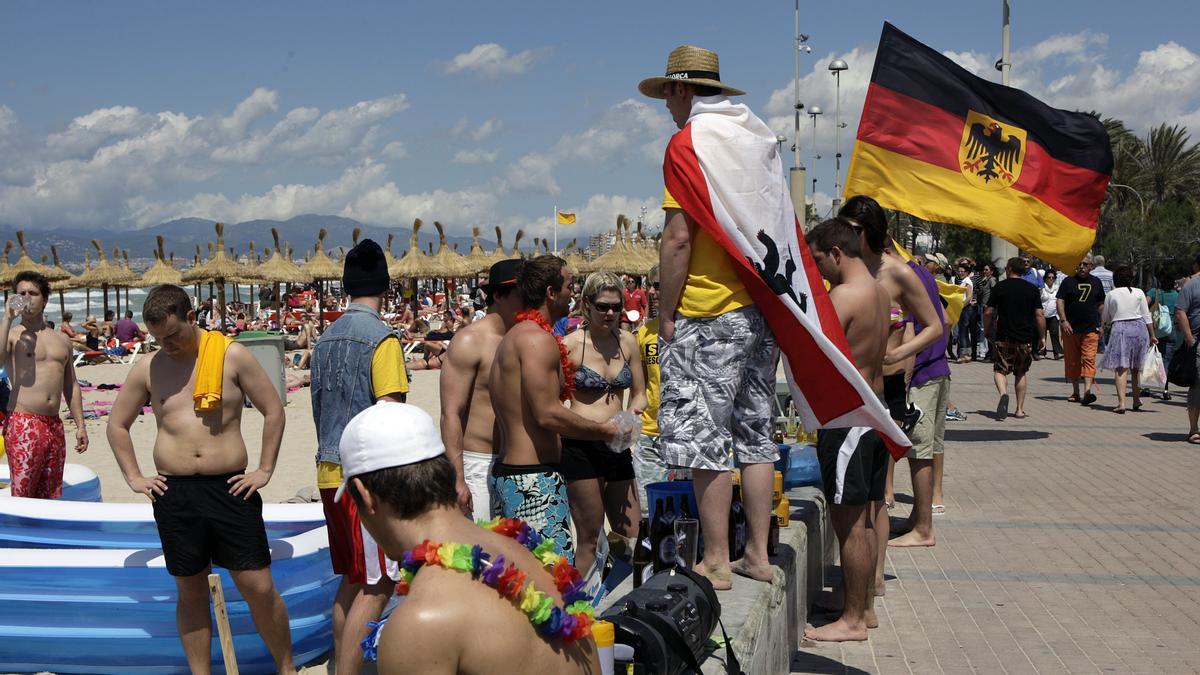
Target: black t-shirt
x=1082, y=300
x=1015, y=303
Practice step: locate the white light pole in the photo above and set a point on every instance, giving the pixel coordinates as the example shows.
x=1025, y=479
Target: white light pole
x=813, y=112
x=1001, y=249
x=796, y=182
x=836, y=67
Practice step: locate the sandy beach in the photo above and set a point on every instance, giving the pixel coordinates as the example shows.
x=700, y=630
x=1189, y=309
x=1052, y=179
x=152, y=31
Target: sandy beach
x=295, y=469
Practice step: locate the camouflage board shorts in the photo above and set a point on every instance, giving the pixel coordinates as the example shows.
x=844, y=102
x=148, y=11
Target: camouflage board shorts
x=718, y=392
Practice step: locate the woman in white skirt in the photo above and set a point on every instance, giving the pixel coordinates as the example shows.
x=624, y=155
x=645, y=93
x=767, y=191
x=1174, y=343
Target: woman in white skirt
x=1131, y=334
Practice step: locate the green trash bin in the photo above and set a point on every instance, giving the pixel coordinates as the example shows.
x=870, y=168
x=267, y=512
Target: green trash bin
x=267, y=348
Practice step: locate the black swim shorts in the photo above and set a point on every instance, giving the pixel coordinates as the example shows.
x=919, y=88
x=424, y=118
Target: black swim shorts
x=582, y=460
x=854, y=464
x=200, y=523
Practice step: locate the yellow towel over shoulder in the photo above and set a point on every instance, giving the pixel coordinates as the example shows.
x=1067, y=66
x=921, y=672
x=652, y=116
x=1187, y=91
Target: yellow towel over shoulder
x=210, y=371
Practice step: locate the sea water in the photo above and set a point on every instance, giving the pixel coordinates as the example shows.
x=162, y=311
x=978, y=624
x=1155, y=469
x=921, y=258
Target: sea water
x=76, y=301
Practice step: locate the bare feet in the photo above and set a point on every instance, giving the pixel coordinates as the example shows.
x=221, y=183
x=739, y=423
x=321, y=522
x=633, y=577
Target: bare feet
x=880, y=590
x=910, y=539
x=838, y=631
x=721, y=580
x=761, y=572
x=871, y=619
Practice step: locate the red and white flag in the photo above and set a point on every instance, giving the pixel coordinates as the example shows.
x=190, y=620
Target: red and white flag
x=724, y=170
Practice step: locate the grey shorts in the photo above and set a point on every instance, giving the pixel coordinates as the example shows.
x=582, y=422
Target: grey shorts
x=718, y=392
x=929, y=436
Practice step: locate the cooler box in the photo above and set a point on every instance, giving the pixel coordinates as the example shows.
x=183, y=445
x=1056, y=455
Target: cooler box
x=799, y=465
x=681, y=491
x=267, y=348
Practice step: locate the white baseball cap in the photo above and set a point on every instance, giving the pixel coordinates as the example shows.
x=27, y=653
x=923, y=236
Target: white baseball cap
x=385, y=435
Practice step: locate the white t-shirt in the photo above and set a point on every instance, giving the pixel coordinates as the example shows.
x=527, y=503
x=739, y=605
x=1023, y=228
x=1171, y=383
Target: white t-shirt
x=1124, y=303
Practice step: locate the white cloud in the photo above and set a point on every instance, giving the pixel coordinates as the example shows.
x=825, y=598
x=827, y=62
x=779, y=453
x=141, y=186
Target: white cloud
x=340, y=129
x=394, y=150
x=623, y=133
x=490, y=61
x=362, y=192
x=478, y=156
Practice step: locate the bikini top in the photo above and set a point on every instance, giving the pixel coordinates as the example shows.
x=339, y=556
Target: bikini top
x=587, y=379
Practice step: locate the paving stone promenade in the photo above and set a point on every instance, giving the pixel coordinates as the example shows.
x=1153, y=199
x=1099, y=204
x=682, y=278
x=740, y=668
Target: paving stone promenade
x=1070, y=543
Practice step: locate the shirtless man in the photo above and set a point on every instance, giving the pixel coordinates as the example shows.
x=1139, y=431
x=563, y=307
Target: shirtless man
x=910, y=308
x=77, y=339
x=526, y=386
x=205, y=504
x=38, y=361
x=853, y=461
x=467, y=418
x=450, y=621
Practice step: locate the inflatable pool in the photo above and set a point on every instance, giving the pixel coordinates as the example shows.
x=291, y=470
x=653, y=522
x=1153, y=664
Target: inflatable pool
x=80, y=484
x=49, y=523
x=113, y=610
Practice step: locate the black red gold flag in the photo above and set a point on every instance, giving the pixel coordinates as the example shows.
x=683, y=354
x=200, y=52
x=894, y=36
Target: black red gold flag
x=941, y=144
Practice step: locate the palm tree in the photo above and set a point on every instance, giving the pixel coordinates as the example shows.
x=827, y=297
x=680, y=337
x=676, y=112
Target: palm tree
x=1168, y=165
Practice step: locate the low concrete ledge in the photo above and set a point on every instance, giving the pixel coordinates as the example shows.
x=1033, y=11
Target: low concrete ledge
x=765, y=621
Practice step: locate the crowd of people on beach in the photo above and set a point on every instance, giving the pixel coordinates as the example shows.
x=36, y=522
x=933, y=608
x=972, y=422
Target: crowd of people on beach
x=562, y=398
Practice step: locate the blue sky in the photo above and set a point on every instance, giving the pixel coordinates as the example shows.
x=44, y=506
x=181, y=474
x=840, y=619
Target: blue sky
x=122, y=115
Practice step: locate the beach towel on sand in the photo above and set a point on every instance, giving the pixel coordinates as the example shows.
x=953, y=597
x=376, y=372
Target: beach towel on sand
x=724, y=169
x=210, y=371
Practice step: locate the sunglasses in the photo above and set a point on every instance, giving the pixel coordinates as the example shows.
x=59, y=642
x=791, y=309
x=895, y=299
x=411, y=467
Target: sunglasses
x=606, y=307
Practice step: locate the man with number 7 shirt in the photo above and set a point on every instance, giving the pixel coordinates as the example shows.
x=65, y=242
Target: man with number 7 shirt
x=1080, y=298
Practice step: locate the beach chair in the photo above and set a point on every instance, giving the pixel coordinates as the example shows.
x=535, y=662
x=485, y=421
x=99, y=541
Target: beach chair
x=93, y=357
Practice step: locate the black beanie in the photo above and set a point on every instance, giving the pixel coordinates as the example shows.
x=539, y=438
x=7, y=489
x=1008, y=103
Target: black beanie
x=365, y=273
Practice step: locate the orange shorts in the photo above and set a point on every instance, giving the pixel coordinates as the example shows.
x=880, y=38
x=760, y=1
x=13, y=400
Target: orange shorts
x=1080, y=354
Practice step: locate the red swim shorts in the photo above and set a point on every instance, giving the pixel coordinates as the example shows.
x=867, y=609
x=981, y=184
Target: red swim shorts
x=37, y=452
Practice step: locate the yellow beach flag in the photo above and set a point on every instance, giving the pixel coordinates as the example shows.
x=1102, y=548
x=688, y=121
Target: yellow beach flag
x=953, y=295
x=565, y=218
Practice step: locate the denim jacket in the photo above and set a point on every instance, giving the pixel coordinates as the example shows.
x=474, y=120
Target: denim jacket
x=341, y=375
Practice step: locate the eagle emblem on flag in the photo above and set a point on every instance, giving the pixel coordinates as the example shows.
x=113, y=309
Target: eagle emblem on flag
x=991, y=153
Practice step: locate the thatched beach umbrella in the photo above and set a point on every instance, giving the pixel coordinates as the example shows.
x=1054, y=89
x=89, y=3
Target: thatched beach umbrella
x=322, y=268
x=24, y=264
x=62, y=281
x=574, y=260
x=498, y=253
x=280, y=269
x=476, y=261
x=645, y=247
x=218, y=269
x=161, y=272
x=415, y=264
x=621, y=259
x=102, y=276
x=391, y=260
x=515, y=253
x=451, y=265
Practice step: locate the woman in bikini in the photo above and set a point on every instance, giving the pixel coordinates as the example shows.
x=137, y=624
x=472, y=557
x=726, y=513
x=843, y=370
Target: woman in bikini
x=599, y=481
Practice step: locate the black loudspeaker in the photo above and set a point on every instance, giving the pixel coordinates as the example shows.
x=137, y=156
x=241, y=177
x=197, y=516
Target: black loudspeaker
x=667, y=622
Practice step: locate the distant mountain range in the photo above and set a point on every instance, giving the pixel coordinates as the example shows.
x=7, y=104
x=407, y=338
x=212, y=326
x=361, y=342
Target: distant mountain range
x=183, y=235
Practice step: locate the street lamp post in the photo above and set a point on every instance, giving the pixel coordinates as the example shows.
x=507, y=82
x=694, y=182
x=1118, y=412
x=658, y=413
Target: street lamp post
x=796, y=182
x=813, y=112
x=836, y=67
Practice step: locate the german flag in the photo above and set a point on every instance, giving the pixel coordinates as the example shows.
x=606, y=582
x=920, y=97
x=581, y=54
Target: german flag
x=941, y=144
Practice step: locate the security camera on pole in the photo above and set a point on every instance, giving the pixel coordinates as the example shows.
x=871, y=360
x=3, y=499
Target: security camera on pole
x=796, y=182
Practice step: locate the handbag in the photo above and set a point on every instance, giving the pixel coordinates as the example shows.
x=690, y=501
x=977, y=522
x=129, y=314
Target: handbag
x=1182, y=370
x=1153, y=374
x=1162, y=319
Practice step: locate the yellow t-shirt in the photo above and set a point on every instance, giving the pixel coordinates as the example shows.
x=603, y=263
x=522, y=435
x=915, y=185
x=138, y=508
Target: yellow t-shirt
x=647, y=339
x=387, y=377
x=713, y=286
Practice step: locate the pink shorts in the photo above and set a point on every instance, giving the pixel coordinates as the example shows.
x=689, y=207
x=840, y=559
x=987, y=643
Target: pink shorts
x=37, y=451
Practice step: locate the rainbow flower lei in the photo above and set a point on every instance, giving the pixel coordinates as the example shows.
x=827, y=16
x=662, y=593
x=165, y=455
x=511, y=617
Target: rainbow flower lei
x=570, y=623
x=564, y=354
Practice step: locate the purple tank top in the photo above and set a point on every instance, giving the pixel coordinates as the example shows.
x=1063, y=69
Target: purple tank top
x=930, y=362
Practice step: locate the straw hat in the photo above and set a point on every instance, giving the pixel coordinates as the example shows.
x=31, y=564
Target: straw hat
x=692, y=65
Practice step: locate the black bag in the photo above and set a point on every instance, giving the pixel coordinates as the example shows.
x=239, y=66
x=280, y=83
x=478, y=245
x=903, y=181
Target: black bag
x=1181, y=372
x=668, y=620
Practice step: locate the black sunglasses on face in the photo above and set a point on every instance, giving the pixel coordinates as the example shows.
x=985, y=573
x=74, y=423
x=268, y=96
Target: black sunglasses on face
x=606, y=307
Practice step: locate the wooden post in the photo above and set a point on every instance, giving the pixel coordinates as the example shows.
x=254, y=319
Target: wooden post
x=223, y=630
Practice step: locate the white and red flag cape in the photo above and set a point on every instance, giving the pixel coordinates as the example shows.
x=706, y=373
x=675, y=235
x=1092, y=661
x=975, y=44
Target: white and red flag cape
x=724, y=170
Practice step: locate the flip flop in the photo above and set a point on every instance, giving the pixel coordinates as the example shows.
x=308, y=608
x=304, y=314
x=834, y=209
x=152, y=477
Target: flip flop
x=1074, y=398
x=940, y=509
x=1137, y=406
x=1021, y=415
x=1119, y=411
x=1194, y=439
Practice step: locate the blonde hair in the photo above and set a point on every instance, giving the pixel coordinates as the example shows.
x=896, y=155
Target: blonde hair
x=598, y=282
